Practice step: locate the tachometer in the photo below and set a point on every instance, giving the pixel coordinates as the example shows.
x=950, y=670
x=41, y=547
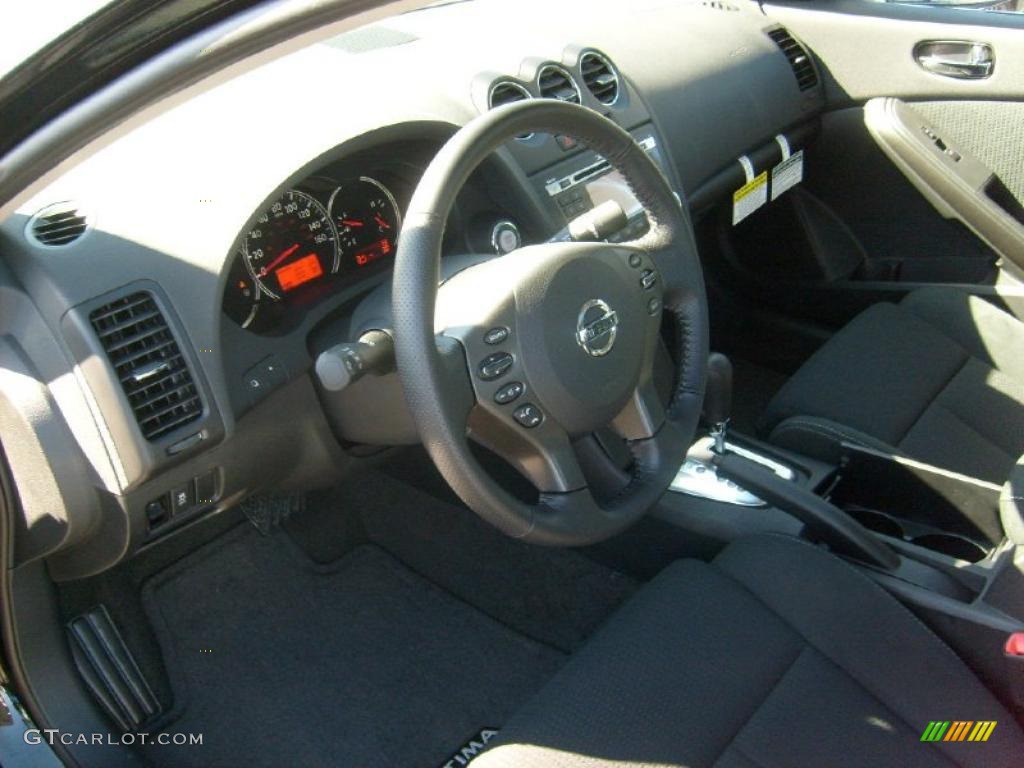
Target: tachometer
x=293, y=243
x=367, y=220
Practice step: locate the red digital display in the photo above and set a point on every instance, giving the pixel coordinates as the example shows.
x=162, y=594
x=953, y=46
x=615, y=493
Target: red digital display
x=375, y=251
x=301, y=271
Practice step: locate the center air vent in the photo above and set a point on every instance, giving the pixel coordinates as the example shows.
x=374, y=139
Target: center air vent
x=600, y=77
x=506, y=92
x=56, y=225
x=148, y=362
x=798, y=58
x=554, y=82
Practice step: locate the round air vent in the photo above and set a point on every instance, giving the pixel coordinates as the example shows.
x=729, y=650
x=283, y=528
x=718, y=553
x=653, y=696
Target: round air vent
x=556, y=83
x=600, y=77
x=506, y=92
x=57, y=225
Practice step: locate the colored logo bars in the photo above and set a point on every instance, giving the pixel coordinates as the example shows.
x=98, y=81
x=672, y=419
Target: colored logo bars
x=958, y=730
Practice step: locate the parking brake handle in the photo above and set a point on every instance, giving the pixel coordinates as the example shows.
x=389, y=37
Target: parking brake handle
x=825, y=521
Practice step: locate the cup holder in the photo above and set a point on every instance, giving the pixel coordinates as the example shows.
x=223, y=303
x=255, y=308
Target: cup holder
x=949, y=544
x=876, y=521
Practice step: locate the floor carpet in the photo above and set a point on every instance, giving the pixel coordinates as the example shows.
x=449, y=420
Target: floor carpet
x=279, y=661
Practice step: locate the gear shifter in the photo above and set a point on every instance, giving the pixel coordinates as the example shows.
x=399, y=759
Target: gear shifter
x=699, y=474
x=718, y=399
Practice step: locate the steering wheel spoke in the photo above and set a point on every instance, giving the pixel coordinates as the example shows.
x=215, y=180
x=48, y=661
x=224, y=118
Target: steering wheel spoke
x=642, y=416
x=533, y=443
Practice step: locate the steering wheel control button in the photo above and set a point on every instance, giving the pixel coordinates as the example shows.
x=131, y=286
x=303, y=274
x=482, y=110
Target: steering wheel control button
x=635, y=261
x=496, y=335
x=528, y=415
x=495, y=366
x=648, y=279
x=509, y=392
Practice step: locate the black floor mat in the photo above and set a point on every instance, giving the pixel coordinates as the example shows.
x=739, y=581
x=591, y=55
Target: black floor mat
x=278, y=661
x=555, y=596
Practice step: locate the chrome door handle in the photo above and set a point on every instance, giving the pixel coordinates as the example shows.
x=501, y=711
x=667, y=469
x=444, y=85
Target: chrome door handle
x=962, y=59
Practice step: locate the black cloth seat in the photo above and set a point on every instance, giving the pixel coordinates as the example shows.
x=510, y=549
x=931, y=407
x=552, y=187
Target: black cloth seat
x=776, y=655
x=938, y=377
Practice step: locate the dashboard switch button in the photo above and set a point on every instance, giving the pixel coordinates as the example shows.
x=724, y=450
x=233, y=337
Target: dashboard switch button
x=528, y=415
x=509, y=392
x=495, y=366
x=496, y=335
x=156, y=512
x=183, y=498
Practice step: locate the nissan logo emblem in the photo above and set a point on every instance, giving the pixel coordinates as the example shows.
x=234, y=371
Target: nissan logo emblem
x=596, y=328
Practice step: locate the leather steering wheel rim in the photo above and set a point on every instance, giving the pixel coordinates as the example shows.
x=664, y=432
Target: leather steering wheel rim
x=436, y=373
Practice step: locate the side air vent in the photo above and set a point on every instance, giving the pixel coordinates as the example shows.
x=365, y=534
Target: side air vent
x=553, y=82
x=600, y=77
x=799, y=59
x=506, y=92
x=58, y=224
x=145, y=355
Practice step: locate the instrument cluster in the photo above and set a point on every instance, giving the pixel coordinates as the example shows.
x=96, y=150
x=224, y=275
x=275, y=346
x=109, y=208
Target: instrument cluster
x=323, y=235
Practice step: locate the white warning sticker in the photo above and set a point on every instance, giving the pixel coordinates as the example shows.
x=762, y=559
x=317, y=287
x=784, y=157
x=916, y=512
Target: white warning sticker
x=787, y=174
x=749, y=197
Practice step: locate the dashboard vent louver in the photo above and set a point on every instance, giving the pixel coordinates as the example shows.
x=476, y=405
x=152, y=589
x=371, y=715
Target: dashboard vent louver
x=148, y=362
x=57, y=225
x=798, y=57
x=600, y=77
x=505, y=92
x=553, y=82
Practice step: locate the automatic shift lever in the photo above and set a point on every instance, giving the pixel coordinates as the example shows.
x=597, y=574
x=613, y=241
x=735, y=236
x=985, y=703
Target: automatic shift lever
x=718, y=398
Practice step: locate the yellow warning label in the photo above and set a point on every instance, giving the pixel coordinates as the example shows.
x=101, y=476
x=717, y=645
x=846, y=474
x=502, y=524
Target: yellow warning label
x=749, y=197
x=758, y=181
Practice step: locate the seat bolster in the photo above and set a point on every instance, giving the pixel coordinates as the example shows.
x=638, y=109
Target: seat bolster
x=865, y=631
x=822, y=438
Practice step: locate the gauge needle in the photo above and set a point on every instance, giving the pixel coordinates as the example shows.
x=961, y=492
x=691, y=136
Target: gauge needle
x=380, y=221
x=352, y=223
x=270, y=267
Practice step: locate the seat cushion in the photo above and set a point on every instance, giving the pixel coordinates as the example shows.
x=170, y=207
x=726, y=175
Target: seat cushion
x=776, y=655
x=938, y=377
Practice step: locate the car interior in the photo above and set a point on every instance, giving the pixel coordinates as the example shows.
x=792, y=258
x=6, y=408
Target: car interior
x=563, y=384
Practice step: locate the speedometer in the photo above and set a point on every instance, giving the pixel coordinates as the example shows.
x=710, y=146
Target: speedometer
x=293, y=243
x=367, y=220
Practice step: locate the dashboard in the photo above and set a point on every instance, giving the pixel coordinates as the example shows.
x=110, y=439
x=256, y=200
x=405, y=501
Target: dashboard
x=173, y=291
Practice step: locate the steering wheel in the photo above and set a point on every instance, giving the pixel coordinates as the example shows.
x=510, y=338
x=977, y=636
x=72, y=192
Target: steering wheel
x=525, y=354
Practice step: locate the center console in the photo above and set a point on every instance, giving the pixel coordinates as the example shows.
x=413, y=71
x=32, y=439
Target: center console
x=587, y=180
x=944, y=544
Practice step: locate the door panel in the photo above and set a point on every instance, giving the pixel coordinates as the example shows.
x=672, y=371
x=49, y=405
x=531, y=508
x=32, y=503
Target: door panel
x=992, y=131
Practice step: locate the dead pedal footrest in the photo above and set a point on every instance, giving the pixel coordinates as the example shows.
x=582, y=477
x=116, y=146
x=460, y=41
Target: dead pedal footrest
x=109, y=670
